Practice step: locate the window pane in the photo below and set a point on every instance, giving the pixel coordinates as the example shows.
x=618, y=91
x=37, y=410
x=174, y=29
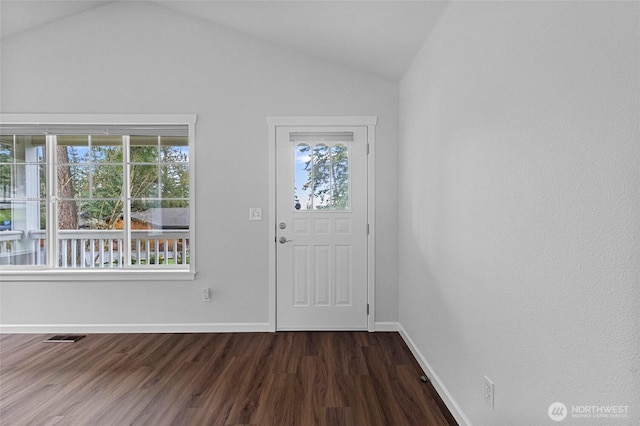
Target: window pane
x=100, y=214
x=302, y=174
x=73, y=181
x=22, y=173
x=144, y=149
x=175, y=181
x=24, y=215
x=67, y=214
x=106, y=182
x=159, y=215
x=106, y=149
x=26, y=149
x=160, y=233
x=340, y=177
x=6, y=182
x=22, y=207
x=174, y=149
x=95, y=238
x=30, y=149
x=143, y=180
x=6, y=217
x=6, y=148
x=42, y=180
x=138, y=206
x=26, y=181
x=321, y=177
x=21, y=241
x=72, y=149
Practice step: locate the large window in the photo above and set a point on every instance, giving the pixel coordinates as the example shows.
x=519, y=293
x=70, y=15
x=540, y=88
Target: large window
x=96, y=197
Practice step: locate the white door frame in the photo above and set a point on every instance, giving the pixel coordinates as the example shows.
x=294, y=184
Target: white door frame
x=345, y=121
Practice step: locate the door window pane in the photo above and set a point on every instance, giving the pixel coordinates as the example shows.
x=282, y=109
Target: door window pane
x=301, y=187
x=340, y=177
x=321, y=177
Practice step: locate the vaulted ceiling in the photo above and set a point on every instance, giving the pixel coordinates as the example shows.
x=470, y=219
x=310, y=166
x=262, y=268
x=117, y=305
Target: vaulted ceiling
x=377, y=37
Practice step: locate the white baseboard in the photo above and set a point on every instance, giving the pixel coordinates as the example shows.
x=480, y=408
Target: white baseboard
x=386, y=326
x=451, y=404
x=135, y=328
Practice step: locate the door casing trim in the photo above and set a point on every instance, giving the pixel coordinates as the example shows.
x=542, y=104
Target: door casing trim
x=315, y=121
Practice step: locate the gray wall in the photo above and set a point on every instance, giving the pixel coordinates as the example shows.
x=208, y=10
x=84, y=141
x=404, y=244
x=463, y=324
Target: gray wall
x=135, y=57
x=519, y=207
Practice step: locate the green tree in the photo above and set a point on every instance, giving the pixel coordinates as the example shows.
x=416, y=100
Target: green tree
x=97, y=180
x=67, y=208
x=5, y=167
x=328, y=177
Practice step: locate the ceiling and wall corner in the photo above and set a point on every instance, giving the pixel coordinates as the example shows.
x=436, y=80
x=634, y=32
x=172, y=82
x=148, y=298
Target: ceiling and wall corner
x=376, y=37
x=19, y=16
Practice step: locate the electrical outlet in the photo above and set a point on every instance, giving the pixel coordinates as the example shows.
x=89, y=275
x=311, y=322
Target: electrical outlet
x=255, y=213
x=206, y=295
x=488, y=391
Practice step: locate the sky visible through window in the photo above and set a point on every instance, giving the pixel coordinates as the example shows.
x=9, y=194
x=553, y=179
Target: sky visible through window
x=321, y=177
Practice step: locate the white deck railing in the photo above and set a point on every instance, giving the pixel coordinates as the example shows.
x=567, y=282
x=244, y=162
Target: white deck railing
x=8, y=240
x=98, y=248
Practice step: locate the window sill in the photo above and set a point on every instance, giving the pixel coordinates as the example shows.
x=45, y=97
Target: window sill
x=97, y=275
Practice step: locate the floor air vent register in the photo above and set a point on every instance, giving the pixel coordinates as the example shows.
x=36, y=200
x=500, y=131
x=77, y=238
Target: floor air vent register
x=68, y=338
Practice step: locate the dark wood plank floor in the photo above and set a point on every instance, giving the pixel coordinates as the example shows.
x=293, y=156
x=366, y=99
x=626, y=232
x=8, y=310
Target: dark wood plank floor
x=285, y=378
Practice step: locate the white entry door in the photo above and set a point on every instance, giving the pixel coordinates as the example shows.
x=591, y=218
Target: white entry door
x=321, y=229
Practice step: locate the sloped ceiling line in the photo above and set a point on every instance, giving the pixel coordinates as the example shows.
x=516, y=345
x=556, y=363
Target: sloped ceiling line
x=376, y=37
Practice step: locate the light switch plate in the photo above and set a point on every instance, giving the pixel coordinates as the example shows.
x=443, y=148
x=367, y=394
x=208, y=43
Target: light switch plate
x=206, y=294
x=255, y=213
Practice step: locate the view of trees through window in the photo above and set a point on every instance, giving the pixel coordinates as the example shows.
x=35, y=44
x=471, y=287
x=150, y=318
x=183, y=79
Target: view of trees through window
x=321, y=177
x=91, y=185
x=109, y=200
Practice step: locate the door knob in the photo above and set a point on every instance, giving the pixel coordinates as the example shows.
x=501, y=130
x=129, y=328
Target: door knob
x=283, y=240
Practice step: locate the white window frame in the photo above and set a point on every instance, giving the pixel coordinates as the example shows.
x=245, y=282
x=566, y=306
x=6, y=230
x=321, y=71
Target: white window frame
x=38, y=273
